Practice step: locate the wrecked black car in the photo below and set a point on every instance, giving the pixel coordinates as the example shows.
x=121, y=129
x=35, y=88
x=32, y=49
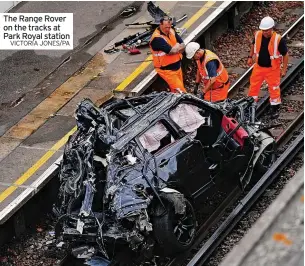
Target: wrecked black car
x=135, y=170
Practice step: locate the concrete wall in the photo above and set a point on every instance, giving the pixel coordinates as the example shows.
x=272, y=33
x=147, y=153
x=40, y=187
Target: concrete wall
x=5, y=6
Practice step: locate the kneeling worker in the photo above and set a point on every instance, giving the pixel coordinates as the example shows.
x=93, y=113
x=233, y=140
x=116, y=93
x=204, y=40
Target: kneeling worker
x=167, y=47
x=210, y=71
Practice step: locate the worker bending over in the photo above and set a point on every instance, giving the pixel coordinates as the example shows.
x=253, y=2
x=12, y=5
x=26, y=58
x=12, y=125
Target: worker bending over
x=167, y=47
x=268, y=50
x=210, y=72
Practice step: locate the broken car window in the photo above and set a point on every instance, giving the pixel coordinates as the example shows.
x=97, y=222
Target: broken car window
x=188, y=118
x=156, y=138
x=128, y=112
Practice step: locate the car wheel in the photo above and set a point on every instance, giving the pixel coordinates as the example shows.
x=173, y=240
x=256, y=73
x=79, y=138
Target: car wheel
x=174, y=232
x=265, y=160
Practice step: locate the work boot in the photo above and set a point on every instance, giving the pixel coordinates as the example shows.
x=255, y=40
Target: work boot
x=275, y=111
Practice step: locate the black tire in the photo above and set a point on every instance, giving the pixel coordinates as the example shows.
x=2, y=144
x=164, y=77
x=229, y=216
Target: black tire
x=263, y=163
x=265, y=160
x=167, y=228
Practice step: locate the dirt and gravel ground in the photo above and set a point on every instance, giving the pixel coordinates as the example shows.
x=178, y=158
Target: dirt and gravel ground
x=38, y=247
x=35, y=248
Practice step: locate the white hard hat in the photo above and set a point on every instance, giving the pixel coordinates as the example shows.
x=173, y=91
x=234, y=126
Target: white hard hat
x=266, y=23
x=191, y=48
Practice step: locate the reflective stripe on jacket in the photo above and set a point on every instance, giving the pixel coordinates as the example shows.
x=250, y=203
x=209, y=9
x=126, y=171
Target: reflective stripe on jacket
x=222, y=74
x=161, y=59
x=275, y=56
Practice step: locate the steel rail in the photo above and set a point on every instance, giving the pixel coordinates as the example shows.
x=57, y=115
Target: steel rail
x=214, y=219
x=296, y=125
x=223, y=230
x=290, y=76
x=263, y=104
x=244, y=205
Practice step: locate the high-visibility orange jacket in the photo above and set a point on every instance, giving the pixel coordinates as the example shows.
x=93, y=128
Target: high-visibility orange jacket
x=220, y=87
x=275, y=56
x=160, y=58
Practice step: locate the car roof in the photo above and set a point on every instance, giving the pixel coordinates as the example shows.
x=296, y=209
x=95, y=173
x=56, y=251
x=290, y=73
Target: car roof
x=157, y=105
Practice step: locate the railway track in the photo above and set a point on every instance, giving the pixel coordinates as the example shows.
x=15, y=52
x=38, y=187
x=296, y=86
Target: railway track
x=211, y=243
x=244, y=204
x=283, y=138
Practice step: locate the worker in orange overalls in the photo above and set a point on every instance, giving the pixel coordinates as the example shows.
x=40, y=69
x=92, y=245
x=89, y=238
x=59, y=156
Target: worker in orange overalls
x=269, y=50
x=167, y=47
x=210, y=72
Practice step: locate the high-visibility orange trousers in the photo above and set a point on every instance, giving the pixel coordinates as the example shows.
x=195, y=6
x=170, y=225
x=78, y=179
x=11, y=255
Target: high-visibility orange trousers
x=174, y=79
x=272, y=77
x=216, y=95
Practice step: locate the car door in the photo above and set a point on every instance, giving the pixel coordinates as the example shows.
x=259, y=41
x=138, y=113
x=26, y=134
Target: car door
x=182, y=165
x=231, y=150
